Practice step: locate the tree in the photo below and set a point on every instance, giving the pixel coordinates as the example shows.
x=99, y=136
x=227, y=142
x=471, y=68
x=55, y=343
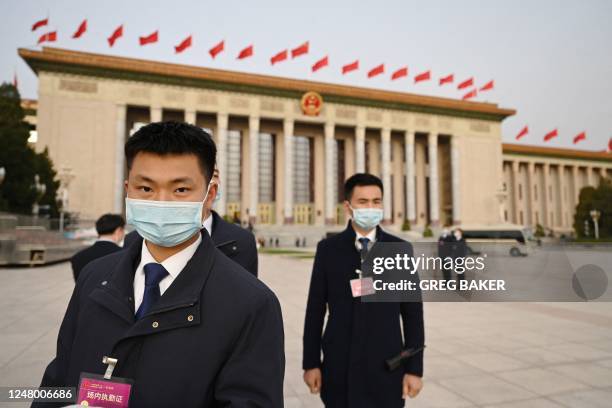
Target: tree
x=20, y=161
x=592, y=198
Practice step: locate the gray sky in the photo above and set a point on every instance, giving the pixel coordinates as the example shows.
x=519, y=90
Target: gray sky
x=551, y=60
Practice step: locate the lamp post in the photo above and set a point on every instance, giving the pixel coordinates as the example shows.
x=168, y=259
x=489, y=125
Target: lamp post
x=40, y=189
x=595, y=214
x=65, y=177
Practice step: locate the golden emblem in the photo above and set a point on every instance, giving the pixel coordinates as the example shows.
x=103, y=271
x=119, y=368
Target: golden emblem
x=311, y=103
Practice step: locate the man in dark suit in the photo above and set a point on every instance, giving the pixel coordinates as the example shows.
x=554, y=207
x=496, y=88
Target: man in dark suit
x=445, y=249
x=187, y=325
x=235, y=242
x=359, y=336
x=111, y=230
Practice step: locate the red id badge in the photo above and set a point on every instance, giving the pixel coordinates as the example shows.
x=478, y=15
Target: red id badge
x=362, y=287
x=97, y=391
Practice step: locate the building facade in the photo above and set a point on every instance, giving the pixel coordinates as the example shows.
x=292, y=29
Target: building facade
x=543, y=184
x=284, y=146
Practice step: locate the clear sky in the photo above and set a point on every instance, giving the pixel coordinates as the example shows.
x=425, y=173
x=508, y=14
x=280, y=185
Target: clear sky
x=551, y=59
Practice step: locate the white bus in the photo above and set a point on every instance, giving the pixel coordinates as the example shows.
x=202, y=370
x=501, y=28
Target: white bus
x=517, y=240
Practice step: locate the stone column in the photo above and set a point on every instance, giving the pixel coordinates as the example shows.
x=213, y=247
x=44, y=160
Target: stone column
x=563, y=193
x=547, y=202
x=385, y=139
x=410, y=177
x=575, y=188
x=359, y=149
x=120, y=132
x=590, y=178
x=330, y=185
x=531, y=186
x=190, y=116
x=156, y=114
x=434, y=205
x=222, y=121
x=288, y=143
x=253, y=167
x=515, y=191
x=456, y=179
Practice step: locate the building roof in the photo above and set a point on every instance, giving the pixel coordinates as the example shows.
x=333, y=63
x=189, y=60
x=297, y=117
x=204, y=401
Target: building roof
x=76, y=62
x=557, y=152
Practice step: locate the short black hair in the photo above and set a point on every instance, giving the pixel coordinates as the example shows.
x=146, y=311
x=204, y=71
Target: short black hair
x=108, y=223
x=170, y=137
x=361, y=179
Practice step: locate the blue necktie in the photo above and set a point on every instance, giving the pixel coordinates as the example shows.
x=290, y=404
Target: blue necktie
x=154, y=273
x=364, y=247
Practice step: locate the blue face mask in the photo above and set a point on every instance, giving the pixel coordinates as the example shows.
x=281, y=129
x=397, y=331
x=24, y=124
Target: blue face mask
x=367, y=218
x=165, y=223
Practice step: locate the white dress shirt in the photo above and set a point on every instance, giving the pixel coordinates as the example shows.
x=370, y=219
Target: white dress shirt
x=207, y=224
x=174, y=265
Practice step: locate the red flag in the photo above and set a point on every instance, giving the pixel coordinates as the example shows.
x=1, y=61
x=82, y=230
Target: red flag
x=353, y=66
x=115, y=35
x=245, y=53
x=550, y=135
x=466, y=84
x=488, y=86
x=522, y=133
x=377, y=70
x=186, y=43
x=323, y=62
x=81, y=30
x=402, y=72
x=301, y=50
x=281, y=56
x=48, y=37
x=447, y=79
x=472, y=94
x=149, y=39
x=217, y=49
x=610, y=145
x=579, y=137
x=40, y=23
x=425, y=76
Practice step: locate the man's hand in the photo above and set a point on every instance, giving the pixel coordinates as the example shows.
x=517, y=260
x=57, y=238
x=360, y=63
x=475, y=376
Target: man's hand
x=412, y=385
x=312, y=378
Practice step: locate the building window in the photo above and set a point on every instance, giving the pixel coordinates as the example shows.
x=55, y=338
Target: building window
x=521, y=217
x=233, y=170
x=301, y=170
x=535, y=193
x=537, y=217
x=505, y=215
x=266, y=168
x=550, y=193
x=520, y=192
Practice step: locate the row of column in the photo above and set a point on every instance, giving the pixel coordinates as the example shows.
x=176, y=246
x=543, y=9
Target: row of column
x=330, y=185
x=547, y=202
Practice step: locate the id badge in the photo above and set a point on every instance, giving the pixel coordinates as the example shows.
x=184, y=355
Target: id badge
x=362, y=287
x=97, y=391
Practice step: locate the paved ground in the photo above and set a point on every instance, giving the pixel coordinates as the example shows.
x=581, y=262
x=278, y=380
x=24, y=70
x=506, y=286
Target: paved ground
x=537, y=355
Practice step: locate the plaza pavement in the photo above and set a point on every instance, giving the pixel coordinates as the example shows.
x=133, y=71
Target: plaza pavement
x=538, y=355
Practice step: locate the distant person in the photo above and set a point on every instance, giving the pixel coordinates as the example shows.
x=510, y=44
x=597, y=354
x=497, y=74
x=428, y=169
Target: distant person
x=235, y=242
x=359, y=336
x=111, y=231
x=459, y=248
x=445, y=249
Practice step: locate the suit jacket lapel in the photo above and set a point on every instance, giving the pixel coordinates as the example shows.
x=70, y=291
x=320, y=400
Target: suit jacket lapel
x=116, y=293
